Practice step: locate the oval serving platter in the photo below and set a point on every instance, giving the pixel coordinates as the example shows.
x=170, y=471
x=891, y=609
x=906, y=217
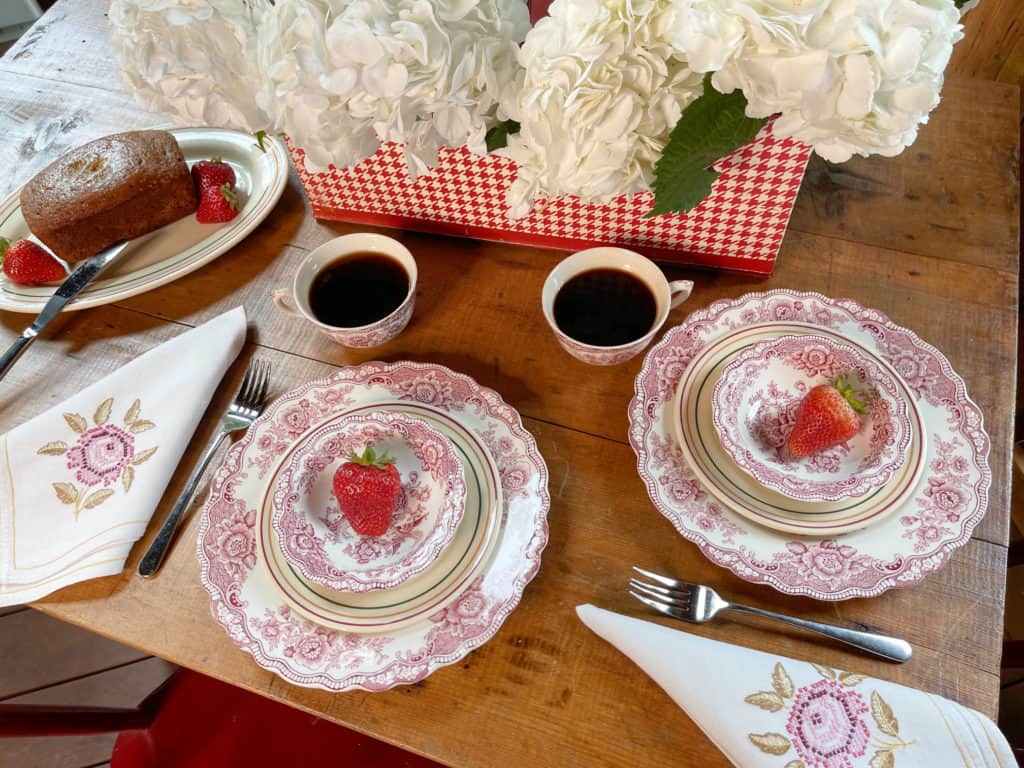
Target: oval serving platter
x=178, y=248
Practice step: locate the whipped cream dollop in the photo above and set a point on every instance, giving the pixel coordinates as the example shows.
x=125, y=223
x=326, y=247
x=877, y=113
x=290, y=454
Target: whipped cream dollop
x=601, y=89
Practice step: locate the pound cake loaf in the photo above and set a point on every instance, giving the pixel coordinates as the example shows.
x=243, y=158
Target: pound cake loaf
x=115, y=188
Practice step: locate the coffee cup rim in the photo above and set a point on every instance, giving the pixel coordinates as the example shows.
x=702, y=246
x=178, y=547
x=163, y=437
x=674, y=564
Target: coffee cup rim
x=664, y=300
x=404, y=257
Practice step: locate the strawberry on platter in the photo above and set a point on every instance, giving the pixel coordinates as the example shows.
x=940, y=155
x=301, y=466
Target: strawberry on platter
x=828, y=415
x=368, y=488
x=218, y=196
x=28, y=263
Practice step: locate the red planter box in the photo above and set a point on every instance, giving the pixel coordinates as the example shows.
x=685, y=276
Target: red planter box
x=740, y=226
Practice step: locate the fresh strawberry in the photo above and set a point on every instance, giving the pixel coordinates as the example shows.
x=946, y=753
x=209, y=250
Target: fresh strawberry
x=27, y=263
x=215, y=183
x=367, y=488
x=827, y=416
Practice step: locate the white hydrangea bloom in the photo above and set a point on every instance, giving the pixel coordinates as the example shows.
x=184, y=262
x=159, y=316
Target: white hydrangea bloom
x=191, y=58
x=343, y=75
x=846, y=76
x=601, y=91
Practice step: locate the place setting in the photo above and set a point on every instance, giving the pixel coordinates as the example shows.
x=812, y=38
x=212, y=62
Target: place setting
x=378, y=518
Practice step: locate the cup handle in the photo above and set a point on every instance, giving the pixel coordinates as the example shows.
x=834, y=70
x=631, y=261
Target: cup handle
x=679, y=291
x=282, y=298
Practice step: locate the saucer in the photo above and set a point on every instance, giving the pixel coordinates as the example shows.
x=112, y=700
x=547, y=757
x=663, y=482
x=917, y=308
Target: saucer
x=916, y=536
x=754, y=408
x=316, y=538
x=697, y=437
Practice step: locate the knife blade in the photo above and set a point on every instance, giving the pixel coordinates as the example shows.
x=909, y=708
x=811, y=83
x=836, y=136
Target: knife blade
x=67, y=291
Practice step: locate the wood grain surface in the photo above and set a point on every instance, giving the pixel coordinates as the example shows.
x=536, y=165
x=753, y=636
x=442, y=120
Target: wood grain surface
x=929, y=237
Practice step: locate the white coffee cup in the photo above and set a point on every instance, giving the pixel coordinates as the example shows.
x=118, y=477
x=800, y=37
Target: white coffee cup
x=296, y=300
x=667, y=296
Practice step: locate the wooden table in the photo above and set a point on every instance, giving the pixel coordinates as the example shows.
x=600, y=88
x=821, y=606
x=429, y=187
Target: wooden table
x=930, y=238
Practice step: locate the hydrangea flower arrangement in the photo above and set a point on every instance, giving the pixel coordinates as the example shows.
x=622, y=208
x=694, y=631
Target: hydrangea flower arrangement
x=600, y=98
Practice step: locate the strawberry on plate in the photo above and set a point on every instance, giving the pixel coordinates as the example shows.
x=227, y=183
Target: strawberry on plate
x=218, y=197
x=827, y=416
x=367, y=488
x=28, y=263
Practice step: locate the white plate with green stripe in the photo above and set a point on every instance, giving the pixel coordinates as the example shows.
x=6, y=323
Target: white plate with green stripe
x=179, y=248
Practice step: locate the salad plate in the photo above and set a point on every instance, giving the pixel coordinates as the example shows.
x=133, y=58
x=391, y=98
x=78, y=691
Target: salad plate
x=754, y=407
x=178, y=248
x=251, y=607
x=698, y=439
x=912, y=541
x=458, y=565
x=317, y=539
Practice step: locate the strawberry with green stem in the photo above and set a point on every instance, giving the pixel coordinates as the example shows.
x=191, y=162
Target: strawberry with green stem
x=218, y=197
x=828, y=415
x=28, y=263
x=368, y=488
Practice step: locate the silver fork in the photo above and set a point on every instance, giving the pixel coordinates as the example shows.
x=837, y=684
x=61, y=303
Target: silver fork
x=247, y=405
x=697, y=603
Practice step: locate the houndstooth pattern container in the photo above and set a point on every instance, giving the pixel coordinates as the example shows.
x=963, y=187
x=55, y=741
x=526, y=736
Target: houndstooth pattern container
x=739, y=226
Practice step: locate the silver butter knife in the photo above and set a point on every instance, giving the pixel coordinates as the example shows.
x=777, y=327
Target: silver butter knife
x=70, y=288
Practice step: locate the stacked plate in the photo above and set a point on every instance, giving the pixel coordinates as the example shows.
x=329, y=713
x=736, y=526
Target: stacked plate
x=714, y=403
x=321, y=606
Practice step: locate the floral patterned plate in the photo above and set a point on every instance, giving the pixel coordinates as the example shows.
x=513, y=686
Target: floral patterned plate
x=460, y=562
x=754, y=405
x=246, y=601
x=316, y=538
x=917, y=539
x=697, y=438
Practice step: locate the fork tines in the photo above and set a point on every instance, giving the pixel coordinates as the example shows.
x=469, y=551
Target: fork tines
x=668, y=596
x=253, y=391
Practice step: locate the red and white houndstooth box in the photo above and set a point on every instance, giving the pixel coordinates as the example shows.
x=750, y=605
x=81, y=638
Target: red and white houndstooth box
x=739, y=226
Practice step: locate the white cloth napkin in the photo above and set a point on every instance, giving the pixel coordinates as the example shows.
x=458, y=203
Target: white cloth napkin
x=79, y=483
x=777, y=712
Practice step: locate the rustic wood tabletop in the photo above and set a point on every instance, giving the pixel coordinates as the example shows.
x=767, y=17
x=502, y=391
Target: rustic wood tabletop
x=930, y=238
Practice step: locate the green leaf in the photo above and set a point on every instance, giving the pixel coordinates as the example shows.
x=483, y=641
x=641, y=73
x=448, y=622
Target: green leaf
x=497, y=137
x=4, y=245
x=260, y=136
x=961, y=3
x=710, y=128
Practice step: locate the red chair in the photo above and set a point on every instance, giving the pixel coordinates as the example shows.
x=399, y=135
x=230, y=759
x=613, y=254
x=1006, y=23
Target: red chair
x=194, y=720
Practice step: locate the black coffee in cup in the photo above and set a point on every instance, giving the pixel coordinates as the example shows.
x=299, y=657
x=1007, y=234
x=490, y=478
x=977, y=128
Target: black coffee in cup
x=358, y=289
x=605, y=307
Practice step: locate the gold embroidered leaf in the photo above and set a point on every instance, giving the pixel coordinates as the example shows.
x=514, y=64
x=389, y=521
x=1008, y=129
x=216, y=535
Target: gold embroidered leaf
x=140, y=426
x=781, y=682
x=145, y=455
x=76, y=422
x=825, y=672
x=127, y=476
x=66, y=492
x=103, y=412
x=132, y=413
x=772, y=743
x=56, y=448
x=882, y=759
x=883, y=714
x=795, y=764
x=765, y=700
x=97, y=498
x=850, y=679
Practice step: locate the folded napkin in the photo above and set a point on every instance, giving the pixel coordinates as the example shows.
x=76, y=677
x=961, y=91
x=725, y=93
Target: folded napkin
x=772, y=711
x=79, y=483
